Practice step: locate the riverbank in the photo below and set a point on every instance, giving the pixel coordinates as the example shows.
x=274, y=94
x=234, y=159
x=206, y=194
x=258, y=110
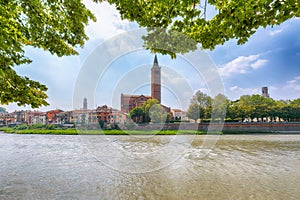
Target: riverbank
x=166, y=129
x=105, y=132
x=131, y=132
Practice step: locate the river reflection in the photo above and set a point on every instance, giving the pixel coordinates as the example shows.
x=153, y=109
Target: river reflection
x=156, y=167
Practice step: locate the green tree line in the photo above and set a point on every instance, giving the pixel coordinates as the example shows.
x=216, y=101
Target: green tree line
x=246, y=108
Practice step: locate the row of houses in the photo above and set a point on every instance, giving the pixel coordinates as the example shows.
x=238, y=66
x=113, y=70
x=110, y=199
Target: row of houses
x=104, y=113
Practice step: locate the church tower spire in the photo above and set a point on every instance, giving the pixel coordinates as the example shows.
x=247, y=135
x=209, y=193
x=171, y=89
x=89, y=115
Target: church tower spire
x=155, y=63
x=156, y=80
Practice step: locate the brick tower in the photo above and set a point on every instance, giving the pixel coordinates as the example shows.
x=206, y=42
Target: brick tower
x=264, y=92
x=156, y=81
x=84, y=106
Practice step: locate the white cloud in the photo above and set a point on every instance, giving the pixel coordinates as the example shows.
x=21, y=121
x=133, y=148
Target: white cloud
x=177, y=90
x=275, y=32
x=235, y=92
x=172, y=78
x=258, y=64
x=293, y=84
x=242, y=65
x=244, y=91
x=108, y=22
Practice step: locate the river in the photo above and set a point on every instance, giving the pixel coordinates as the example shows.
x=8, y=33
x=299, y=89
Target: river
x=149, y=167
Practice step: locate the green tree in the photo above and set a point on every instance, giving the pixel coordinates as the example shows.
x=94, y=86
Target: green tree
x=260, y=106
x=296, y=102
x=269, y=105
x=234, y=111
x=280, y=111
x=193, y=112
x=56, y=26
x=147, y=106
x=274, y=111
x=286, y=113
x=205, y=104
x=296, y=109
x=289, y=110
x=137, y=114
x=220, y=105
x=245, y=107
x=254, y=106
x=157, y=114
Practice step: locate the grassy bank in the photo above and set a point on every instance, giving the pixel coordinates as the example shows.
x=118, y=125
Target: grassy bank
x=102, y=132
x=73, y=131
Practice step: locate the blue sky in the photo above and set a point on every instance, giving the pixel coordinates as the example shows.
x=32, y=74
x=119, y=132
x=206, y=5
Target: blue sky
x=271, y=58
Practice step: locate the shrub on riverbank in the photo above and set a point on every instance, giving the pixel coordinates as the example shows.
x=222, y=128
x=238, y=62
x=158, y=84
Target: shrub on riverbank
x=6, y=129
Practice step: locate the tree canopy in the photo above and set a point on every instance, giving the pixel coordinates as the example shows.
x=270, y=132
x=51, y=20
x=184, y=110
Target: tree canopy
x=150, y=110
x=137, y=114
x=194, y=111
x=233, y=19
x=58, y=27
x=55, y=26
x=147, y=106
x=157, y=114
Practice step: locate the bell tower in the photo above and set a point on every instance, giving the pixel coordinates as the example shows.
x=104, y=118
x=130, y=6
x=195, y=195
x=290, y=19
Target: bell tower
x=84, y=105
x=264, y=92
x=156, y=81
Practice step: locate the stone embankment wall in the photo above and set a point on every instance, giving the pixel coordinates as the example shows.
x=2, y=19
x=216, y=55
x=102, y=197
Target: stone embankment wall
x=227, y=127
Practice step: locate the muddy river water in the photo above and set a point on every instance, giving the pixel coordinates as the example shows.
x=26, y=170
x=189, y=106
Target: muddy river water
x=149, y=167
